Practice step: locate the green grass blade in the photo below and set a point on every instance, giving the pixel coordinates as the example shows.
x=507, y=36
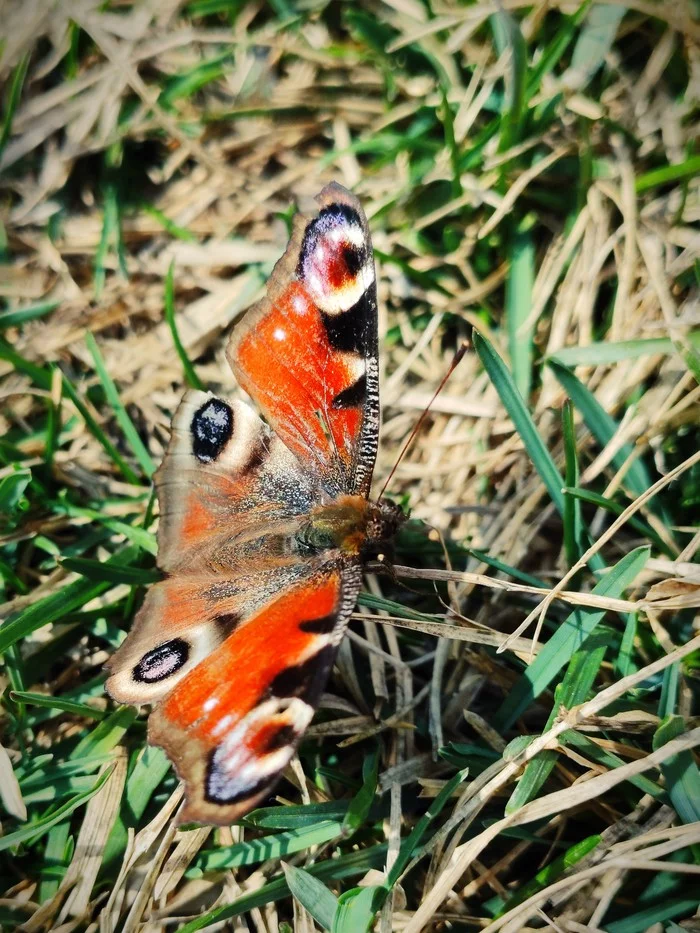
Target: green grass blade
x=55, y=860
x=573, y=689
x=120, y=413
x=602, y=426
x=59, y=704
x=550, y=873
x=568, y=638
x=357, y=909
x=680, y=772
x=608, y=759
x=275, y=845
x=668, y=700
x=40, y=375
x=147, y=775
x=605, y=353
x=552, y=53
x=106, y=735
x=36, y=829
x=360, y=805
x=18, y=316
x=571, y=517
x=507, y=35
x=57, y=606
x=312, y=894
x=616, y=508
x=623, y=664
x=594, y=42
x=12, y=490
x=102, y=570
x=643, y=921
x=297, y=817
x=667, y=174
x=345, y=866
x=98, y=433
x=499, y=565
x=14, y=93
x=193, y=380
x=409, y=845
x=180, y=233
x=144, y=540
x=513, y=402
x=521, y=278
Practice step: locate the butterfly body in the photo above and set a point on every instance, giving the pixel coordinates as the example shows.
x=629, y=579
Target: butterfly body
x=265, y=525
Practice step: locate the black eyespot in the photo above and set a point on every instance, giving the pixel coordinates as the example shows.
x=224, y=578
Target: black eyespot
x=212, y=427
x=332, y=217
x=162, y=662
x=285, y=735
x=354, y=257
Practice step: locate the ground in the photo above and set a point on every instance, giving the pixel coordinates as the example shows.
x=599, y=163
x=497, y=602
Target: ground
x=508, y=738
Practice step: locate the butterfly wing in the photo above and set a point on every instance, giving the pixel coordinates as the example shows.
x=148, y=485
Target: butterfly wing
x=226, y=486
x=231, y=497
x=307, y=353
x=233, y=723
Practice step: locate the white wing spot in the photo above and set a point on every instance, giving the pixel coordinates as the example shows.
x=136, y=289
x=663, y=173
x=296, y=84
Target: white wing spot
x=279, y=333
x=222, y=725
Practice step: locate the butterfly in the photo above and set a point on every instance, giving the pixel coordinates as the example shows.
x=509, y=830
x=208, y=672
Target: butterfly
x=265, y=525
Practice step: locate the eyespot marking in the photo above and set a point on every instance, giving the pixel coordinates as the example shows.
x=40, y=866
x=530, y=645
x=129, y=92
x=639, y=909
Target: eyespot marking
x=162, y=661
x=335, y=262
x=285, y=735
x=220, y=788
x=212, y=427
x=354, y=258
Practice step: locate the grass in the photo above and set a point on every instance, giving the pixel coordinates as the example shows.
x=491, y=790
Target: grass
x=509, y=739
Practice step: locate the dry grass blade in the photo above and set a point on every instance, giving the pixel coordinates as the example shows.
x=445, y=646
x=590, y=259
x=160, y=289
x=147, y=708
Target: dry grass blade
x=609, y=533
x=530, y=173
x=558, y=801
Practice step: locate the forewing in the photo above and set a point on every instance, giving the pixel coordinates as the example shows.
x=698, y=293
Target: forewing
x=307, y=353
x=232, y=724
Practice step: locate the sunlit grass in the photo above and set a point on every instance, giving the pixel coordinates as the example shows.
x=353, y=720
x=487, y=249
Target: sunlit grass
x=531, y=180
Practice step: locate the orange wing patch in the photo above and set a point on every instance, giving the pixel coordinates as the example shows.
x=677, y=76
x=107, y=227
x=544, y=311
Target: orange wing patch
x=308, y=377
x=183, y=619
x=231, y=736
x=307, y=353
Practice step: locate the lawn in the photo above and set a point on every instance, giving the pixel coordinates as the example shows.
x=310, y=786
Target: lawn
x=509, y=737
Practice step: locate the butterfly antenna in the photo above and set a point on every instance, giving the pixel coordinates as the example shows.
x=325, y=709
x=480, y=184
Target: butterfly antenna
x=417, y=426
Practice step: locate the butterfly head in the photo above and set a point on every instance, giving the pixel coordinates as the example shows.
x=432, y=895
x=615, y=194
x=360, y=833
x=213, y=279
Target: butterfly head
x=386, y=518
